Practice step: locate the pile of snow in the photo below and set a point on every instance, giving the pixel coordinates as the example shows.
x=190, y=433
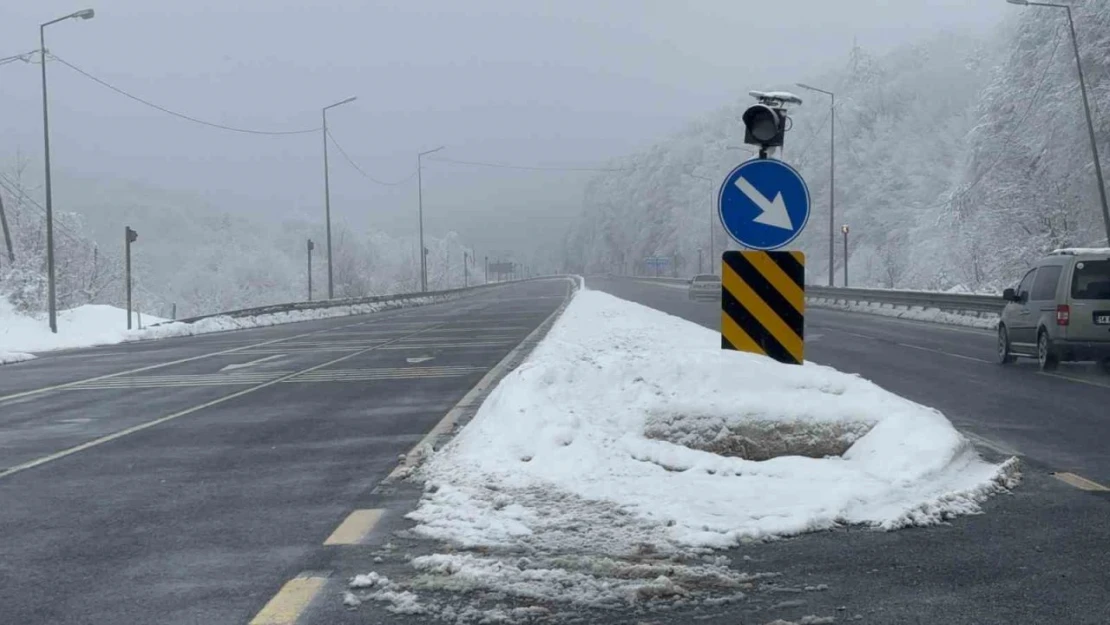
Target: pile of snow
x=90, y=325
x=8, y=357
x=606, y=408
x=987, y=321
x=629, y=434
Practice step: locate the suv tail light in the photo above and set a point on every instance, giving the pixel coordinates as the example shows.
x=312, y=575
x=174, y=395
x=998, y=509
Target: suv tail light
x=1063, y=315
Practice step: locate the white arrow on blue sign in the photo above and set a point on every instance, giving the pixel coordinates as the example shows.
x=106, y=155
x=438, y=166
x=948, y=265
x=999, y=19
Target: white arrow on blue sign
x=764, y=204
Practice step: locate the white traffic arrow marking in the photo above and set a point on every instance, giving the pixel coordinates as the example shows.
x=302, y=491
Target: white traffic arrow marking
x=774, y=213
x=419, y=359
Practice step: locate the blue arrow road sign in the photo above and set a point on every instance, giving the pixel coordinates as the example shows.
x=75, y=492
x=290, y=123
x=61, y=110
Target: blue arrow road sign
x=764, y=204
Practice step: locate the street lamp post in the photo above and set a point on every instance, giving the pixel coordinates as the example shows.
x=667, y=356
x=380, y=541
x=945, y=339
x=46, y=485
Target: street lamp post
x=327, y=188
x=712, y=262
x=420, y=208
x=832, y=175
x=52, y=286
x=844, y=229
x=1086, y=108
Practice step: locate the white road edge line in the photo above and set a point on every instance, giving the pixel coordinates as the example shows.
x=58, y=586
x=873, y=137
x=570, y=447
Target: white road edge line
x=149, y=424
x=944, y=353
x=425, y=445
x=1073, y=379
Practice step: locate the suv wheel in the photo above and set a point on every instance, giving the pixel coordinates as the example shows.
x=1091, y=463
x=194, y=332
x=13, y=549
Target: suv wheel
x=1005, y=356
x=1046, y=356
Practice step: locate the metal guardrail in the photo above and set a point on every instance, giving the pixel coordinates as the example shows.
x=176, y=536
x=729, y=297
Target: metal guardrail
x=950, y=302
x=332, y=303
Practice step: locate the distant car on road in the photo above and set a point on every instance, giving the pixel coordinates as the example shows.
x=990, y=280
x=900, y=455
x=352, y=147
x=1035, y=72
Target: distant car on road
x=705, y=286
x=1060, y=311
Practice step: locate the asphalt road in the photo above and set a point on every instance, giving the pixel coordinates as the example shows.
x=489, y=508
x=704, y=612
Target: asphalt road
x=1037, y=556
x=184, y=481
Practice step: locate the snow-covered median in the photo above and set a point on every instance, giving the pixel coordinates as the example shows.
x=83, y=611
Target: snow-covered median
x=90, y=325
x=628, y=434
x=628, y=406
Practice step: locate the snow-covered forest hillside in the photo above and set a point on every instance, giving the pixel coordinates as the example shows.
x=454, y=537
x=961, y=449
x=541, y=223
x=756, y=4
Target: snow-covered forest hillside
x=958, y=161
x=201, y=258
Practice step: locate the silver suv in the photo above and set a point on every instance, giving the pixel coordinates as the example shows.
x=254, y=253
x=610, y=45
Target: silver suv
x=1060, y=310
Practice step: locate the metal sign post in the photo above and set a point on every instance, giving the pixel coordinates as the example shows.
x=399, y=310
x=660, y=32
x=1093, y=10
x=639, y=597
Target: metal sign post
x=764, y=204
x=311, y=246
x=129, y=237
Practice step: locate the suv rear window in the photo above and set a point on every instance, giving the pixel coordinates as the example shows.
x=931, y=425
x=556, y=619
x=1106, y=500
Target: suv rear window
x=706, y=278
x=1091, y=280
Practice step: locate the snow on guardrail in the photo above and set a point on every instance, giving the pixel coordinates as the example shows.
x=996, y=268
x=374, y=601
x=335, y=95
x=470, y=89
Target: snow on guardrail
x=967, y=309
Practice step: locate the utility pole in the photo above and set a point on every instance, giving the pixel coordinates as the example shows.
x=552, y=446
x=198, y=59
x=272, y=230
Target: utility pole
x=844, y=229
x=327, y=187
x=699, y=260
x=311, y=246
x=420, y=203
x=487, y=268
x=129, y=237
x=466, y=271
x=7, y=233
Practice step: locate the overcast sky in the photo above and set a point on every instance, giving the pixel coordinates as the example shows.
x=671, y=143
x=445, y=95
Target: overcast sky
x=564, y=83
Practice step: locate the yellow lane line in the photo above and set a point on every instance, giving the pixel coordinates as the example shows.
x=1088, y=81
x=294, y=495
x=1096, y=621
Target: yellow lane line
x=290, y=602
x=355, y=528
x=1080, y=482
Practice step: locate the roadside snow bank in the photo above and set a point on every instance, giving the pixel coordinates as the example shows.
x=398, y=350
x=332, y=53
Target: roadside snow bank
x=224, y=323
x=92, y=324
x=8, y=357
x=611, y=426
x=985, y=321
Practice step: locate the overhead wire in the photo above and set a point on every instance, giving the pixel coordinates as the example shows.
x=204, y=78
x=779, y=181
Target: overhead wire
x=178, y=114
x=360, y=170
x=26, y=57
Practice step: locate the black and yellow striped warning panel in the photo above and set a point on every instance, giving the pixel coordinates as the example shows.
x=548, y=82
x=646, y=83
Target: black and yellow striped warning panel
x=763, y=304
